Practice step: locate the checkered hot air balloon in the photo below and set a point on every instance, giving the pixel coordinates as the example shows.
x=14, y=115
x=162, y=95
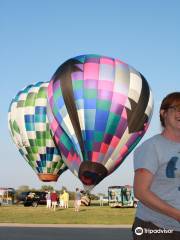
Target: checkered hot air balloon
x=100, y=108
x=29, y=128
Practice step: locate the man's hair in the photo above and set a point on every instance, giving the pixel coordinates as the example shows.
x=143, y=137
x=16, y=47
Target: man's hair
x=172, y=98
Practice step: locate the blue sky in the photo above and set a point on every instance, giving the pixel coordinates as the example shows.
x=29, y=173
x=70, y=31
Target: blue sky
x=38, y=35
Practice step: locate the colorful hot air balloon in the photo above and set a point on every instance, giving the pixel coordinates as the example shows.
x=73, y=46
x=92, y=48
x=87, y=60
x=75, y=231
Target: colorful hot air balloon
x=101, y=108
x=29, y=128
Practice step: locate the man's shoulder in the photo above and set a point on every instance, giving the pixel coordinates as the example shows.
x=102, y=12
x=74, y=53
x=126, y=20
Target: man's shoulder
x=150, y=141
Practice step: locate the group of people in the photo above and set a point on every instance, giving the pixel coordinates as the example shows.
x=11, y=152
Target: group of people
x=53, y=200
x=64, y=199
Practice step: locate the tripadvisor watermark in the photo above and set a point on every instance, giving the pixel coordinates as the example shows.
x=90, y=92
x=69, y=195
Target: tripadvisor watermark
x=139, y=231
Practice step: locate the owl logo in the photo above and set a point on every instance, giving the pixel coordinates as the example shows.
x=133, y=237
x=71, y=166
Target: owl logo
x=173, y=168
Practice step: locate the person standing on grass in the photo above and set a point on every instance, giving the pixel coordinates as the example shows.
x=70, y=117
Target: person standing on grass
x=101, y=200
x=77, y=202
x=157, y=178
x=48, y=199
x=65, y=199
x=54, y=198
x=61, y=200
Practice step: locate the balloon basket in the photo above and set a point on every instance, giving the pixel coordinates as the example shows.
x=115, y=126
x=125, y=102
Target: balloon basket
x=48, y=177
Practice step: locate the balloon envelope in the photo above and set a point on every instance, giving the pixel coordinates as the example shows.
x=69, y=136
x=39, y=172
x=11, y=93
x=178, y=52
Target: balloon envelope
x=29, y=128
x=101, y=109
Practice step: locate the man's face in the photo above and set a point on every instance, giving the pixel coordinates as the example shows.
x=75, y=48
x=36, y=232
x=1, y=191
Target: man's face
x=172, y=117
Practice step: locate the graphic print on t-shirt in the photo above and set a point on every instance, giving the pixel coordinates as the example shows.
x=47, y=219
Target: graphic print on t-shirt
x=173, y=168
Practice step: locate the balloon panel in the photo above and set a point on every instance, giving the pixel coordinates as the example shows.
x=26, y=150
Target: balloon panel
x=29, y=127
x=102, y=108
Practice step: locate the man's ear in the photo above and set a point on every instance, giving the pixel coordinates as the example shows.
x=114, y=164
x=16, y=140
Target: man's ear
x=162, y=115
x=162, y=112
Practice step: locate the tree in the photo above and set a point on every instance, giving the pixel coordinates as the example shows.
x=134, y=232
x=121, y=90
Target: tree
x=47, y=188
x=23, y=188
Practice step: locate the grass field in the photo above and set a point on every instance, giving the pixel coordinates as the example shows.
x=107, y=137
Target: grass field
x=93, y=214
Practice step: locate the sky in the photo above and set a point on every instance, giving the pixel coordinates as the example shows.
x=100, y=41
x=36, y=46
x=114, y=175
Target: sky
x=37, y=36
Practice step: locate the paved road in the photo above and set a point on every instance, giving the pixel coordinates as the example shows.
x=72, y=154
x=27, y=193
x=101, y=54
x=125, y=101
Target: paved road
x=66, y=233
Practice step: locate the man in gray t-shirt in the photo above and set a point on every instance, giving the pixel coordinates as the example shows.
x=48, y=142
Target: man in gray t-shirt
x=161, y=157
x=157, y=178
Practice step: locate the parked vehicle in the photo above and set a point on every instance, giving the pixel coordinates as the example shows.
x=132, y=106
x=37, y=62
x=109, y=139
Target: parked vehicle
x=21, y=197
x=121, y=196
x=7, y=196
x=32, y=198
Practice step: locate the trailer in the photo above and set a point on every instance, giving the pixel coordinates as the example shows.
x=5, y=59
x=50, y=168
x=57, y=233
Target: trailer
x=121, y=196
x=7, y=196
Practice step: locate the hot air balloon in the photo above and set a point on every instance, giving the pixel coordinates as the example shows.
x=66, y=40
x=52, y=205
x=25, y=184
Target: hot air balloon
x=101, y=108
x=30, y=131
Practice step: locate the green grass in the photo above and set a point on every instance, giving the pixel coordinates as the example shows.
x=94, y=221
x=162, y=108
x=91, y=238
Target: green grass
x=87, y=215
